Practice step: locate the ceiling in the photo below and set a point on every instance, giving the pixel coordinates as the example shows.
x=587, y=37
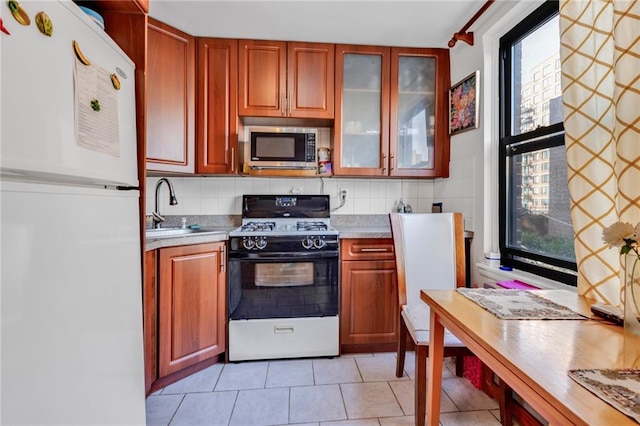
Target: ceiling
x=426, y=23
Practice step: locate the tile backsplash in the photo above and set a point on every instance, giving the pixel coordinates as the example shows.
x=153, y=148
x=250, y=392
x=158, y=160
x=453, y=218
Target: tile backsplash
x=223, y=195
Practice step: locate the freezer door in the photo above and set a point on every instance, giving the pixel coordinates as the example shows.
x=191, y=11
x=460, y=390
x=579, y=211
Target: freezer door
x=39, y=136
x=71, y=312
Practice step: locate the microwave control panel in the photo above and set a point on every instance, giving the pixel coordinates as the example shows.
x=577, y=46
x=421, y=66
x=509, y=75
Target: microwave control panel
x=311, y=147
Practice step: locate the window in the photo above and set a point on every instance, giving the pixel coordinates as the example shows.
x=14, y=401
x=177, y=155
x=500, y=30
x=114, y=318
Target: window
x=535, y=235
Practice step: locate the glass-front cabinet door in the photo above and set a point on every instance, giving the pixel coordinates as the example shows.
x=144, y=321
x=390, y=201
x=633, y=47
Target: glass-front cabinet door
x=361, y=139
x=419, y=136
x=391, y=112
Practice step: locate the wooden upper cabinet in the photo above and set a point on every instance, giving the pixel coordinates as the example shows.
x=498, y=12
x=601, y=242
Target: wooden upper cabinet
x=310, y=80
x=286, y=79
x=419, y=122
x=262, y=76
x=361, y=136
x=170, y=99
x=217, y=122
x=391, y=112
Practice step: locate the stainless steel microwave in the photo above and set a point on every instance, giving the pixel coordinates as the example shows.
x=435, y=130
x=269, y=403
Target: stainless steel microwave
x=281, y=147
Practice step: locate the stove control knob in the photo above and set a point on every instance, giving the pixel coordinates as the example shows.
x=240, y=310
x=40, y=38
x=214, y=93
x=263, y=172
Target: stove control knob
x=307, y=243
x=318, y=243
x=261, y=243
x=248, y=243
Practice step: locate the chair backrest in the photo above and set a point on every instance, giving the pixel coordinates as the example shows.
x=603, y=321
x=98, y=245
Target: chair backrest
x=429, y=250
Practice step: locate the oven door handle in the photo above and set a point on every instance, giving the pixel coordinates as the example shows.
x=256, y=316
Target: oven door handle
x=310, y=255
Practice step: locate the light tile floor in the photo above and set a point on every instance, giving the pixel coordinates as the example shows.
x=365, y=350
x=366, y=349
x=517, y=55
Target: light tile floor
x=353, y=390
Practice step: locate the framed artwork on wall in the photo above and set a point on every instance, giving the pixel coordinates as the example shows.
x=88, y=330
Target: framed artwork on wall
x=463, y=104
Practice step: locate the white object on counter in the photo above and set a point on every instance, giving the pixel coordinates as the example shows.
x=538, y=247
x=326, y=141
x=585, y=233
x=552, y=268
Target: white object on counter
x=492, y=259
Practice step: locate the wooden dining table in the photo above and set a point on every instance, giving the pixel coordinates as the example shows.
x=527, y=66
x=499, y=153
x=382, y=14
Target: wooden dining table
x=533, y=357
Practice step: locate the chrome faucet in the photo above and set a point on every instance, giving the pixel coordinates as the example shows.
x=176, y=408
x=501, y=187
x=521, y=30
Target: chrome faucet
x=157, y=217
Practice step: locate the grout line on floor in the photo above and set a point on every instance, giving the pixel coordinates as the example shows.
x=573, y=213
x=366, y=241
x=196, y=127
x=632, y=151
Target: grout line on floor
x=184, y=395
x=235, y=402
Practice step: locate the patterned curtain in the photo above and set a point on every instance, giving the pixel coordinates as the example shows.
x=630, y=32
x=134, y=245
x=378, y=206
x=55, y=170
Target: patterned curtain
x=600, y=54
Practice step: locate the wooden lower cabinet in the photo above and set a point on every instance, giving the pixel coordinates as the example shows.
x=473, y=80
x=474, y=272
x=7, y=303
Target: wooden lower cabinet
x=191, y=301
x=369, y=302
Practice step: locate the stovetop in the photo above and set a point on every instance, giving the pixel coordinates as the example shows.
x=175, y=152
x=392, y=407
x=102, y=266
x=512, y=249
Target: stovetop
x=286, y=227
x=285, y=215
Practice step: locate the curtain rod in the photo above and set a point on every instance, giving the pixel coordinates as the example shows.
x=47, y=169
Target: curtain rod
x=465, y=36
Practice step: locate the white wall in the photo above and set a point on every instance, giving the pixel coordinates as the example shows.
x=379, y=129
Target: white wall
x=473, y=180
x=222, y=195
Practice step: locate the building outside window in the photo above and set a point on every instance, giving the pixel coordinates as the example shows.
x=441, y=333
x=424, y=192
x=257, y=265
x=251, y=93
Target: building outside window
x=536, y=234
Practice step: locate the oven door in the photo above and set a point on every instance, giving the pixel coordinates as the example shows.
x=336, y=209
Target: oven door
x=283, y=285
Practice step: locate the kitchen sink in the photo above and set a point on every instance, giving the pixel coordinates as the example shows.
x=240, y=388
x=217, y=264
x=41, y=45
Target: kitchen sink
x=178, y=232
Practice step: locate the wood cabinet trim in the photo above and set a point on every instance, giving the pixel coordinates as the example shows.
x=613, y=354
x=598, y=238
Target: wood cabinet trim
x=150, y=320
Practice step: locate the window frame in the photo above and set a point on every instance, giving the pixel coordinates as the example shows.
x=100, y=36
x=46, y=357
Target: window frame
x=510, y=145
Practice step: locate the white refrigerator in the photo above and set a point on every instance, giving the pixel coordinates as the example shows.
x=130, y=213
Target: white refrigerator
x=70, y=289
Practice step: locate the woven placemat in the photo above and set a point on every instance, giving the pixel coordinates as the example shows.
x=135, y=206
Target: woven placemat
x=518, y=304
x=618, y=388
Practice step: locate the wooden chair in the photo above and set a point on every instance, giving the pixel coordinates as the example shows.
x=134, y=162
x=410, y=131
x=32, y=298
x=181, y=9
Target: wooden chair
x=429, y=250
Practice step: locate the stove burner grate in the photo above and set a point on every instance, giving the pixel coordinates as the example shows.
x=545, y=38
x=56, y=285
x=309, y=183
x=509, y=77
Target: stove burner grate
x=311, y=226
x=258, y=226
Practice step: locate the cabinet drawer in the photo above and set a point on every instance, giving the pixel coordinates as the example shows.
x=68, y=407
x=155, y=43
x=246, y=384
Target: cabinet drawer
x=367, y=249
